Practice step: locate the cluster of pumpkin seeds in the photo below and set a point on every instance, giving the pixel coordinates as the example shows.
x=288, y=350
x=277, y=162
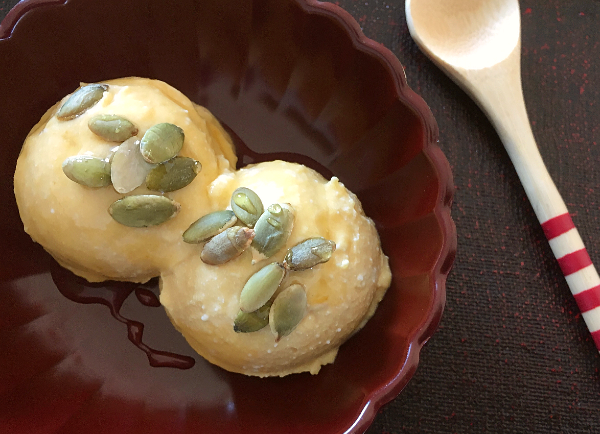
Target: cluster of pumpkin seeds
x=228, y=233
x=152, y=160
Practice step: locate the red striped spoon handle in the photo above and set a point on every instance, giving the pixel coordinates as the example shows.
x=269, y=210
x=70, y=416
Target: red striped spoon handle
x=505, y=107
x=578, y=269
x=477, y=43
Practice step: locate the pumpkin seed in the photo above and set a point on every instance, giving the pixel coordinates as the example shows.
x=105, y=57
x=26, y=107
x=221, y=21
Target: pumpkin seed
x=173, y=174
x=112, y=128
x=287, y=310
x=161, y=142
x=308, y=253
x=248, y=322
x=87, y=170
x=227, y=245
x=143, y=210
x=261, y=286
x=273, y=229
x=129, y=169
x=208, y=226
x=81, y=100
x=247, y=206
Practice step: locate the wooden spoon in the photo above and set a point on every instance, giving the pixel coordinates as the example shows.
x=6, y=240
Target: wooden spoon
x=477, y=43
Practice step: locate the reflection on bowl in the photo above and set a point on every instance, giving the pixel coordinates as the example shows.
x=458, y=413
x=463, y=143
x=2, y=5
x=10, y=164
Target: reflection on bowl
x=291, y=79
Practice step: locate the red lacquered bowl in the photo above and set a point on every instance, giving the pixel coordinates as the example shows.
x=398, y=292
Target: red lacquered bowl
x=292, y=79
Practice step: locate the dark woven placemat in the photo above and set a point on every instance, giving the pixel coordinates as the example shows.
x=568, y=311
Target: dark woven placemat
x=512, y=353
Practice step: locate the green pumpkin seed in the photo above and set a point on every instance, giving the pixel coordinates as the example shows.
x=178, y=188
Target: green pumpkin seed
x=261, y=286
x=308, y=253
x=248, y=322
x=208, y=226
x=273, y=229
x=287, y=310
x=161, y=142
x=81, y=100
x=112, y=128
x=129, y=169
x=173, y=174
x=247, y=206
x=143, y=210
x=227, y=245
x=87, y=170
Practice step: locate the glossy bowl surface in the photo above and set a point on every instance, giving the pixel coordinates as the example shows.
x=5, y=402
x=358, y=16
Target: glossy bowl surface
x=291, y=79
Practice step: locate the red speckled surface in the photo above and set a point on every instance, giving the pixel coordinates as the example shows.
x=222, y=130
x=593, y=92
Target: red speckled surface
x=512, y=353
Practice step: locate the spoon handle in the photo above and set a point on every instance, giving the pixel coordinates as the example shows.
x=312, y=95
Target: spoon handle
x=515, y=132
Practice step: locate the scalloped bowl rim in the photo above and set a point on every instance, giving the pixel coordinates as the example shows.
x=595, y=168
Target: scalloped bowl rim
x=376, y=398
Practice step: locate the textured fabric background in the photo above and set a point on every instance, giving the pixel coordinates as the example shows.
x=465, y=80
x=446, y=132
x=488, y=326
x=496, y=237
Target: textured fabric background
x=512, y=353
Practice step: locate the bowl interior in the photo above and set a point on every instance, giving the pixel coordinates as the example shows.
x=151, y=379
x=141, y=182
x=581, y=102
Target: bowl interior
x=290, y=79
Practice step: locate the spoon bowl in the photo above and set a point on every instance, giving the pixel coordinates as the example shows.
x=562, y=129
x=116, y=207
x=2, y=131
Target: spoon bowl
x=467, y=34
x=477, y=43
